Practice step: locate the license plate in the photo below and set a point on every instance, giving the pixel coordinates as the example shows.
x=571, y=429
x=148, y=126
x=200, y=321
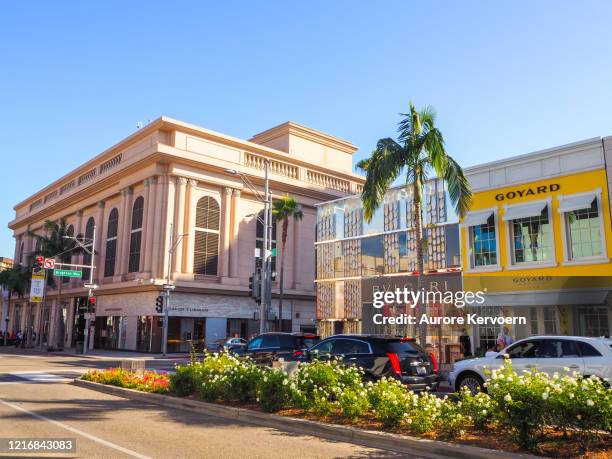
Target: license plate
x=421, y=371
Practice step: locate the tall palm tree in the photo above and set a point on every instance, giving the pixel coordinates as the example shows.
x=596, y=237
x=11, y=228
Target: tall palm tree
x=283, y=210
x=418, y=150
x=56, y=242
x=16, y=280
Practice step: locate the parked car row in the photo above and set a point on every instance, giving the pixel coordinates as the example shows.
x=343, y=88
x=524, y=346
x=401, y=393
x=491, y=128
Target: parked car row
x=403, y=359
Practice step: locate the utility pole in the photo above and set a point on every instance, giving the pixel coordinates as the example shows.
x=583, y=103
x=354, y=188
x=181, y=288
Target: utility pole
x=264, y=307
x=266, y=275
x=90, y=286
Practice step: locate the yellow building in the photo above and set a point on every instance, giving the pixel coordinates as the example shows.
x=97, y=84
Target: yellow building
x=538, y=240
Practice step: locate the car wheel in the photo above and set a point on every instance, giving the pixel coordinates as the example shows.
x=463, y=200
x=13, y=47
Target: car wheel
x=471, y=381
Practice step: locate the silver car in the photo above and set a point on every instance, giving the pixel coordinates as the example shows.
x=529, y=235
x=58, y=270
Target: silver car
x=550, y=354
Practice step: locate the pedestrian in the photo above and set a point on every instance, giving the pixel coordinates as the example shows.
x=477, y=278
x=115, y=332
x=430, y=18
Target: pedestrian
x=18, y=338
x=504, y=339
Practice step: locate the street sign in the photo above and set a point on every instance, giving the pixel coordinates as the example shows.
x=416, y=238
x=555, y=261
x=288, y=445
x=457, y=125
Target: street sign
x=67, y=273
x=49, y=263
x=37, y=287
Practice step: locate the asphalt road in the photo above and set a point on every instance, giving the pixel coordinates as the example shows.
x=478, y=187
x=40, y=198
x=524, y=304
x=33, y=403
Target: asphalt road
x=36, y=400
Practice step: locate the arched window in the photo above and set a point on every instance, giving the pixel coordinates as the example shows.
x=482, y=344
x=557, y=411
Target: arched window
x=20, y=258
x=68, y=257
x=259, y=232
x=111, y=243
x=89, y=232
x=206, y=246
x=136, y=235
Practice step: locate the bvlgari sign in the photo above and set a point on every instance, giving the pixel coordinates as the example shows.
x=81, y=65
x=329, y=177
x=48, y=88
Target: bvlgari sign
x=542, y=189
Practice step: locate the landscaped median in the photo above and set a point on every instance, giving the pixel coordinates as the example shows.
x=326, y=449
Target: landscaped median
x=562, y=416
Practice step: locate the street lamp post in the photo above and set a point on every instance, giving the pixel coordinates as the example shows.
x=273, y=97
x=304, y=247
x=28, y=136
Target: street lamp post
x=90, y=286
x=167, y=287
x=266, y=275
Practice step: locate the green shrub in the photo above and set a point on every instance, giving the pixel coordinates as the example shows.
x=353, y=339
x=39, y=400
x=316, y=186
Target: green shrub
x=390, y=401
x=241, y=381
x=354, y=403
x=478, y=408
x=275, y=390
x=319, y=380
x=186, y=380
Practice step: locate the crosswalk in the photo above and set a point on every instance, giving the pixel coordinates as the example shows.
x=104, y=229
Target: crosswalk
x=34, y=377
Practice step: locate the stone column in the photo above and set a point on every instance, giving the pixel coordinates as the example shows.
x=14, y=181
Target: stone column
x=233, y=247
x=124, y=233
x=164, y=196
x=226, y=219
x=188, y=243
x=297, y=225
x=149, y=222
x=179, y=222
x=100, y=243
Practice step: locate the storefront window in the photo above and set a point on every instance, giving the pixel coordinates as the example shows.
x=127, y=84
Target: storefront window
x=483, y=245
x=550, y=321
x=593, y=321
x=372, y=256
x=531, y=237
x=584, y=232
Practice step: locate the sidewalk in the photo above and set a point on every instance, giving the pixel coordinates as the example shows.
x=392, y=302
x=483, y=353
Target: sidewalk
x=100, y=354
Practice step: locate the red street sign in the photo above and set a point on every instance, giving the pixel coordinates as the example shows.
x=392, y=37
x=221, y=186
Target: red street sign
x=49, y=263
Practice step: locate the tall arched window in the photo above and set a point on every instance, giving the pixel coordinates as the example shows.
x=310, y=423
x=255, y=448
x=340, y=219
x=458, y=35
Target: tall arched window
x=89, y=232
x=68, y=257
x=206, y=246
x=259, y=232
x=111, y=243
x=136, y=235
x=21, y=247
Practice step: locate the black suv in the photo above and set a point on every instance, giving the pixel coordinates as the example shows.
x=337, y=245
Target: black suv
x=267, y=347
x=381, y=355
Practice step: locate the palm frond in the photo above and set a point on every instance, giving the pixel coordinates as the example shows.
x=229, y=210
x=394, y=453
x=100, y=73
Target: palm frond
x=384, y=166
x=459, y=189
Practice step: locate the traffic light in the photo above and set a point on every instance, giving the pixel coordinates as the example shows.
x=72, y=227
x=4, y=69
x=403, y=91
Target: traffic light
x=92, y=301
x=38, y=264
x=255, y=285
x=159, y=304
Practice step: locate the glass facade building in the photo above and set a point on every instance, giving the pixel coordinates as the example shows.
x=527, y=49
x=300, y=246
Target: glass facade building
x=353, y=255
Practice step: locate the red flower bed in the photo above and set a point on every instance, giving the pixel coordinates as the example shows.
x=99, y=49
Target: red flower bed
x=149, y=381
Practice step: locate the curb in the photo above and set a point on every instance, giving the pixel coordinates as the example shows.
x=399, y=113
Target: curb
x=369, y=438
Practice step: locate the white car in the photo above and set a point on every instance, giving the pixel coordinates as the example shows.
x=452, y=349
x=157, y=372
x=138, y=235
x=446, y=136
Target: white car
x=550, y=354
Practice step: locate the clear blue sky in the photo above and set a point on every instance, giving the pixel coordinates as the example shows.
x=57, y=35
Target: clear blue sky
x=505, y=77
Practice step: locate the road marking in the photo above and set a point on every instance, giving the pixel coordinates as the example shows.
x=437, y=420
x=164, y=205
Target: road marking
x=40, y=377
x=91, y=437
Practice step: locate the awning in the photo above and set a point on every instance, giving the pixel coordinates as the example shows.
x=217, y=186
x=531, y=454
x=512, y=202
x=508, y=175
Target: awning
x=524, y=211
x=576, y=202
x=476, y=218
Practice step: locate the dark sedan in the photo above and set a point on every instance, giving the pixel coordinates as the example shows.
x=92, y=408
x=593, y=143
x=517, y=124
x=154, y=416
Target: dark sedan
x=381, y=355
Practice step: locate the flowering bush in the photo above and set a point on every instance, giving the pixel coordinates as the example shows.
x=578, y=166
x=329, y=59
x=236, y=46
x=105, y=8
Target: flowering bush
x=478, y=408
x=389, y=401
x=324, y=381
x=354, y=403
x=529, y=402
x=275, y=391
x=149, y=381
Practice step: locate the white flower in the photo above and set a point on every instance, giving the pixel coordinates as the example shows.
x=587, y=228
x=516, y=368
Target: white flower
x=566, y=369
x=545, y=395
x=590, y=402
x=579, y=417
x=508, y=398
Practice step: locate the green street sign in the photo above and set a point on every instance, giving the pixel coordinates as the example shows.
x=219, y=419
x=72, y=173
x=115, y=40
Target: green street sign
x=274, y=252
x=67, y=273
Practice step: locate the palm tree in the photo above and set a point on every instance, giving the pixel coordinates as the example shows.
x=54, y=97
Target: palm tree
x=58, y=243
x=419, y=149
x=283, y=210
x=16, y=280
